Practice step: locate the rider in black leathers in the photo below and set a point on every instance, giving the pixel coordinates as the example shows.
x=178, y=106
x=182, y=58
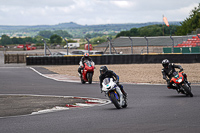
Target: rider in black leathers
x=168, y=70
x=105, y=73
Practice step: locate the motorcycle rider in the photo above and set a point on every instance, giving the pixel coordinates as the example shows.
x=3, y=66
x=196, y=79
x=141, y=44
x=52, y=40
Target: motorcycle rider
x=105, y=73
x=82, y=65
x=168, y=70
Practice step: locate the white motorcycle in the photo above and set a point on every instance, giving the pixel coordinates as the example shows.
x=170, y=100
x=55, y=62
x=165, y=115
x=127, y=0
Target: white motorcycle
x=114, y=93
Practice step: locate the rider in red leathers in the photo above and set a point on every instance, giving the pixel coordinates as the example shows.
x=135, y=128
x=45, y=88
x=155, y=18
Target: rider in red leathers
x=81, y=67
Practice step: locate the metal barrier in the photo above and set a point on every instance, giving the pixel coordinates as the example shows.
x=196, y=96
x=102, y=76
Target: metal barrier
x=113, y=59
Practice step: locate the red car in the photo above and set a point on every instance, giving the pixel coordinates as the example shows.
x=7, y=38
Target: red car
x=28, y=47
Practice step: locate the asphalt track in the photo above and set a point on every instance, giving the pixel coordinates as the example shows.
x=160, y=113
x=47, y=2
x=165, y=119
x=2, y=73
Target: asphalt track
x=151, y=108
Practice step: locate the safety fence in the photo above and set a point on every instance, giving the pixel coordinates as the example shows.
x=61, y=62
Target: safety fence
x=17, y=58
x=113, y=59
x=138, y=45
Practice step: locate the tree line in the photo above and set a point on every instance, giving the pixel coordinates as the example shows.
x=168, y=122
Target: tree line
x=151, y=30
x=192, y=23
x=49, y=36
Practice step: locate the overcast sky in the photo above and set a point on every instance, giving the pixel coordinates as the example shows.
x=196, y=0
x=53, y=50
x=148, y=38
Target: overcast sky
x=92, y=12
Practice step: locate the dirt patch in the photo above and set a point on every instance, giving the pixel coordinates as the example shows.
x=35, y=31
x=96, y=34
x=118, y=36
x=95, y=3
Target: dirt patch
x=134, y=73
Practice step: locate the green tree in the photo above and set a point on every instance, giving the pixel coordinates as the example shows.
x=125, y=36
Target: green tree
x=88, y=36
x=45, y=34
x=151, y=30
x=38, y=39
x=71, y=41
x=21, y=40
x=55, y=39
x=98, y=40
x=190, y=24
x=134, y=32
x=15, y=40
x=62, y=33
x=123, y=33
x=5, y=40
x=28, y=39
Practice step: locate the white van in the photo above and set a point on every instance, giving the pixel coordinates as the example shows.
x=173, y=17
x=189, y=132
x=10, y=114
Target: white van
x=72, y=45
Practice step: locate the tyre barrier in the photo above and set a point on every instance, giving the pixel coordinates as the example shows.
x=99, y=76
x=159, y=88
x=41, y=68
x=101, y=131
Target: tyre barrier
x=113, y=59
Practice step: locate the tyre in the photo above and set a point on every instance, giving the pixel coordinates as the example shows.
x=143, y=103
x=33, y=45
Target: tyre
x=89, y=77
x=125, y=105
x=187, y=90
x=115, y=101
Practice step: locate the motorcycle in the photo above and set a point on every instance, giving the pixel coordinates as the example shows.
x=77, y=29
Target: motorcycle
x=113, y=91
x=87, y=72
x=181, y=83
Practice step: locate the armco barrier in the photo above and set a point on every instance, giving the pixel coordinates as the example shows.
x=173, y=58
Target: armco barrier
x=113, y=59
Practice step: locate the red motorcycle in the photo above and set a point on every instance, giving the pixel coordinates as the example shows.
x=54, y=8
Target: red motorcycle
x=87, y=72
x=180, y=82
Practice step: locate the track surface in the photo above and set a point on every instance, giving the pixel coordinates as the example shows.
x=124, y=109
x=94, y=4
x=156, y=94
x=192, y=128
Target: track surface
x=151, y=108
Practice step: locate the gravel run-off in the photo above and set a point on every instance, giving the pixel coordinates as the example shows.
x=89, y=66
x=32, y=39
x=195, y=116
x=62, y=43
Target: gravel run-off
x=133, y=73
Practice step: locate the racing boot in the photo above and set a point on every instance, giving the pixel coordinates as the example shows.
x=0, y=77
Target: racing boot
x=122, y=90
x=80, y=75
x=188, y=82
x=175, y=87
x=178, y=90
x=185, y=76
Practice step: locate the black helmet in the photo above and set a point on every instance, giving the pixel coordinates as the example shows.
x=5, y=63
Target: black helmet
x=165, y=63
x=103, y=69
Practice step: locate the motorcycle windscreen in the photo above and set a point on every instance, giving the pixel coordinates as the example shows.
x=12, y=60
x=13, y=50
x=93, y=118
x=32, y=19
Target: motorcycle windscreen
x=106, y=81
x=175, y=73
x=89, y=63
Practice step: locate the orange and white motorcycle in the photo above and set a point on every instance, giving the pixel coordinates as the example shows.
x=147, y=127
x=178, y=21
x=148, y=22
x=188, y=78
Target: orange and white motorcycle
x=179, y=81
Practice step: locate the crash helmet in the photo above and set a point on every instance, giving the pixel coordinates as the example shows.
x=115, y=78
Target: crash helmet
x=103, y=69
x=165, y=63
x=86, y=55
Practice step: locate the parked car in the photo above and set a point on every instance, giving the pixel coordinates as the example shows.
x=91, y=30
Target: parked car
x=82, y=52
x=95, y=52
x=27, y=46
x=60, y=53
x=79, y=52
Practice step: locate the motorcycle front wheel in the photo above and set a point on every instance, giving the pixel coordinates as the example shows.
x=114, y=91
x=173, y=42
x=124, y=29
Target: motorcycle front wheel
x=125, y=104
x=187, y=89
x=89, y=77
x=115, y=101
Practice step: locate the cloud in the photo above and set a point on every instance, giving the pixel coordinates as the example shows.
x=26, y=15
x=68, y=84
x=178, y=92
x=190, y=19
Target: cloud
x=37, y=3
x=36, y=12
x=123, y=4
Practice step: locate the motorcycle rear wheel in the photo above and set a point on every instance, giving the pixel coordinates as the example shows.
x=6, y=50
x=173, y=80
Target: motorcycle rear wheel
x=115, y=101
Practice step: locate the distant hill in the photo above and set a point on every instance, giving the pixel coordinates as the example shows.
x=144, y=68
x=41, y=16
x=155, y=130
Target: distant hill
x=75, y=29
x=41, y=27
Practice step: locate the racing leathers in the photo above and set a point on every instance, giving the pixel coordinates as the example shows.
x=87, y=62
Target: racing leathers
x=82, y=65
x=111, y=74
x=168, y=72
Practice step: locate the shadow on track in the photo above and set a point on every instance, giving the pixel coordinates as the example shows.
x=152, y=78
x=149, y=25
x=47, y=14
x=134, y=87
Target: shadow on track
x=180, y=96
